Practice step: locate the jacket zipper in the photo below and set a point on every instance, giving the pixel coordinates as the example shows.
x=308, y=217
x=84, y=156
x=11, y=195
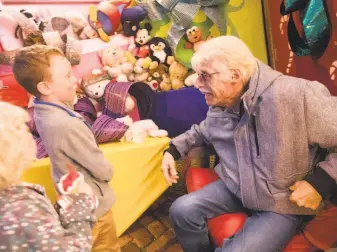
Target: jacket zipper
x=255, y=136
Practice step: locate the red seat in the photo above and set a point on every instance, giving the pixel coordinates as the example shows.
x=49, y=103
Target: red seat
x=320, y=233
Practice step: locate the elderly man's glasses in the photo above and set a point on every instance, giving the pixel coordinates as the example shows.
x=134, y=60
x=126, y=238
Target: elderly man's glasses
x=205, y=77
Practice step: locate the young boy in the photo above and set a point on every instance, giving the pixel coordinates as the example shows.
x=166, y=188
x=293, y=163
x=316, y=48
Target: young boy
x=45, y=73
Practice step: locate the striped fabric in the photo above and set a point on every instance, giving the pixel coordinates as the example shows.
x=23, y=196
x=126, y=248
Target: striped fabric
x=107, y=129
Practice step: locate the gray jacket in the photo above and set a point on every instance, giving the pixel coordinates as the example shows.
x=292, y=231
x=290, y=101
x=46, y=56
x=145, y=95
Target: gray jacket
x=275, y=143
x=68, y=139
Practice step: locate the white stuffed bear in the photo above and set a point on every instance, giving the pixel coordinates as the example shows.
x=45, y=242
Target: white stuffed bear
x=116, y=63
x=94, y=85
x=140, y=130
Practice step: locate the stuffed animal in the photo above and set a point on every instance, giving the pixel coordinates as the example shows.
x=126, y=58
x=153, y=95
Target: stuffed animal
x=105, y=18
x=177, y=73
x=166, y=84
x=131, y=18
x=58, y=33
x=27, y=28
x=160, y=52
x=140, y=130
x=31, y=20
x=94, y=85
x=157, y=76
x=194, y=37
x=78, y=23
x=141, y=71
x=142, y=38
x=116, y=62
x=175, y=80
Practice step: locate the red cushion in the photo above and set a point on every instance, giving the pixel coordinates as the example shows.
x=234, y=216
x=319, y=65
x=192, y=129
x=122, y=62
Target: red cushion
x=222, y=226
x=197, y=178
x=321, y=232
x=299, y=244
x=226, y=225
x=10, y=90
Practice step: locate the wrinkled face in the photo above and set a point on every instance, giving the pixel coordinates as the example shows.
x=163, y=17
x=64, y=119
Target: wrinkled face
x=194, y=34
x=142, y=36
x=223, y=90
x=61, y=86
x=96, y=90
x=159, y=47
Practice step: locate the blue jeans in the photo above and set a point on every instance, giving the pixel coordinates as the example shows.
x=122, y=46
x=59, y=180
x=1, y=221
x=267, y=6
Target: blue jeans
x=262, y=231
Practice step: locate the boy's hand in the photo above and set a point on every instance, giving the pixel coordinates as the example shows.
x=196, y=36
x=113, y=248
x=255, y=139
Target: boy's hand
x=304, y=195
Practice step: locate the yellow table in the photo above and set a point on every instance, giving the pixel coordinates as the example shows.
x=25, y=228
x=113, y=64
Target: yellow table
x=137, y=182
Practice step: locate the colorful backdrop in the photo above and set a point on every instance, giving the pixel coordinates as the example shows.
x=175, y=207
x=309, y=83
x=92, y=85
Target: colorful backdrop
x=324, y=69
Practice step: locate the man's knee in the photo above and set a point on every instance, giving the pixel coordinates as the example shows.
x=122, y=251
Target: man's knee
x=183, y=208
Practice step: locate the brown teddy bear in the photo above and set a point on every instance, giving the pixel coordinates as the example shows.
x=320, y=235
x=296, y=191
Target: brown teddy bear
x=178, y=74
x=156, y=76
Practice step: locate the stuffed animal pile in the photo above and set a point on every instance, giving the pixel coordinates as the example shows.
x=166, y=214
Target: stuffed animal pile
x=133, y=55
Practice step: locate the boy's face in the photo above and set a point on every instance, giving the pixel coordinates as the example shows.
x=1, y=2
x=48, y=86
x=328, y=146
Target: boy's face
x=61, y=87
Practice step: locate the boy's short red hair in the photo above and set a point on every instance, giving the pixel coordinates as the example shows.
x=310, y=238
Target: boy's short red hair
x=31, y=66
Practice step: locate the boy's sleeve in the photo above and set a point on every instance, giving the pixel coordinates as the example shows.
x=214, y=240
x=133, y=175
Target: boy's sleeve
x=80, y=145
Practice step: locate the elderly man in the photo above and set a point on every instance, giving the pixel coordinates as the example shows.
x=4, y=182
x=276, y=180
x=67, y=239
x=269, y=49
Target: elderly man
x=268, y=130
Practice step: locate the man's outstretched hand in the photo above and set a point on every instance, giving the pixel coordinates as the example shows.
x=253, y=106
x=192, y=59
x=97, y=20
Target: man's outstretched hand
x=168, y=168
x=304, y=195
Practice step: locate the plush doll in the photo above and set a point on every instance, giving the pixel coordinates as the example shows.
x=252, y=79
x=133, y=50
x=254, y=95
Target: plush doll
x=27, y=29
x=105, y=18
x=131, y=18
x=178, y=74
x=141, y=71
x=140, y=130
x=30, y=19
x=58, y=33
x=194, y=37
x=142, y=38
x=78, y=23
x=166, y=84
x=160, y=52
x=94, y=85
x=157, y=76
x=116, y=62
x=8, y=26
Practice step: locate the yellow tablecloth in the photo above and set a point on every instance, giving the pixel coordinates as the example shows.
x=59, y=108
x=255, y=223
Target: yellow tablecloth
x=138, y=181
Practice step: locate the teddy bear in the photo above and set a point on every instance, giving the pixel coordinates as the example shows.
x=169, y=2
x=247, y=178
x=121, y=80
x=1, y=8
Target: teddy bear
x=94, y=85
x=140, y=130
x=156, y=76
x=116, y=63
x=141, y=70
x=177, y=73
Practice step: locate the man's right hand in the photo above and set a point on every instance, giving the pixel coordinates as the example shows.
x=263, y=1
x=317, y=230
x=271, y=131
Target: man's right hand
x=169, y=170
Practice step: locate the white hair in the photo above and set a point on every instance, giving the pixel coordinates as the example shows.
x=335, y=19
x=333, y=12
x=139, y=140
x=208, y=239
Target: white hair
x=18, y=148
x=224, y=53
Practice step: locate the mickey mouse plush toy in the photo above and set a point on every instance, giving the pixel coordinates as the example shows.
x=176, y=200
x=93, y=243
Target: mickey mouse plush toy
x=141, y=41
